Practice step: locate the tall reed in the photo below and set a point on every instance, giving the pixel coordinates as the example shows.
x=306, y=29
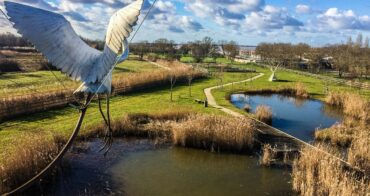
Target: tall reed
x=264, y=114
x=315, y=173
x=32, y=155
x=215, y=133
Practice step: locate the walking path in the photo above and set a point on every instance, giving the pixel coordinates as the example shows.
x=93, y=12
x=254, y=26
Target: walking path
x=212, y=102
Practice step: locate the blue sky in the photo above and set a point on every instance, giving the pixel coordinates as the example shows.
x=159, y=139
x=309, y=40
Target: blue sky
x=317, y=22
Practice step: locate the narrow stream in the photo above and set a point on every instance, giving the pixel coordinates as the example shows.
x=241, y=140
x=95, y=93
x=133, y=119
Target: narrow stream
x=298, y=117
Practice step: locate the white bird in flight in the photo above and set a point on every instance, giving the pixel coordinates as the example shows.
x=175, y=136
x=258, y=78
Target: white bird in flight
x=54, y=37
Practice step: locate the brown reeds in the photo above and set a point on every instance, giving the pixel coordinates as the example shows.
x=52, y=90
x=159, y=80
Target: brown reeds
x=32, y=155
x=316, y=173
x=301, y=91
x=20, y=105
x=359, y=152
x=215, y=133
x=355, y=122
x=247, y=108
x=353, y=104
x=264, y=114
x=268, y=155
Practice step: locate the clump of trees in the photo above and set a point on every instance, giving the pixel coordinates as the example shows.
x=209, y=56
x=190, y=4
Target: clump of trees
x=199, y=49
x=351, y=58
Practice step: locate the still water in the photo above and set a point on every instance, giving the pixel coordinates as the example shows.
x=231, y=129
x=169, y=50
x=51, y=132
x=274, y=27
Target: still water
x=139, y=167
x=298, y=117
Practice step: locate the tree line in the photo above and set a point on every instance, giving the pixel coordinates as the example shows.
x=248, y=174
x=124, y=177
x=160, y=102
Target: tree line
x=352, y=57
x=198, y=49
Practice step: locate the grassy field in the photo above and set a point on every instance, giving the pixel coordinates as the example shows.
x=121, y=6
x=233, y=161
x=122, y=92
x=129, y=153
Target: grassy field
x=62, y=121
x=14, y=84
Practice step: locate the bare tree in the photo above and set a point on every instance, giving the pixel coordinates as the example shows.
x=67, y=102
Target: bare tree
x=172, y=78
x=190, y=77
x=231, y=49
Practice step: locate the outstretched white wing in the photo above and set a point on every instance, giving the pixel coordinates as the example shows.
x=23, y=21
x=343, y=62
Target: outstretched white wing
x=119, y=29
x=55, y=38
x=121, y=24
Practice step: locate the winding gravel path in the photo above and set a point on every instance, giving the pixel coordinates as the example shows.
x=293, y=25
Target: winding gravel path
x=212, y=102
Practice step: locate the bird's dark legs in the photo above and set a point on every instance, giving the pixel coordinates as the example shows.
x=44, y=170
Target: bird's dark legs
x=101, y=111
x=108, y=139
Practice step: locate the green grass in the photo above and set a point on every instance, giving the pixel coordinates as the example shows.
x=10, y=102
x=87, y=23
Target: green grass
x=62, y=121
x=14, y=84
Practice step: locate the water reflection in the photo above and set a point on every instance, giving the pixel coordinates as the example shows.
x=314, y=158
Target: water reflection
x=139, y=167
x=179, y=171
x=298, y=117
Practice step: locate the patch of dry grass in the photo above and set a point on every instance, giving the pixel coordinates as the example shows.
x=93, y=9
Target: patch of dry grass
x=301, y=91
x=316, y=173
x=215, y=133
x=15, y=106
x=264, y=114
x=353, y=104
x=359, y=151
x=35, y=152
x=268, y=155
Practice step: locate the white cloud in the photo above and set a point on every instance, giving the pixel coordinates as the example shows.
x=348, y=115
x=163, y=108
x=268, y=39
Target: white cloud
x=271, y=18
x=335, y=19
x=303, y=9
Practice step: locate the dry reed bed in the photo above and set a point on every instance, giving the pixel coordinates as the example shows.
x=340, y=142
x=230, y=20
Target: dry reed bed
x=299, y=91
x=355, y=122
x=352, y=104
x=316, y=173
x=33, y=154
x=16, y=106
x=264, y=114
x=215, y=133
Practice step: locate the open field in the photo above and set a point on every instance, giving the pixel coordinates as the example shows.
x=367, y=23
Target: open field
x=62, y=120
x=23, y=83
x=59, y=123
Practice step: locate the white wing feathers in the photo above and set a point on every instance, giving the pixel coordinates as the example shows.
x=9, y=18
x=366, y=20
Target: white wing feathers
x=54, y=37
x=121, y=24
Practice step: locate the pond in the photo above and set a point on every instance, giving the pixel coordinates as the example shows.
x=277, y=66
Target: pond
x=140, y=167
x=297, y=117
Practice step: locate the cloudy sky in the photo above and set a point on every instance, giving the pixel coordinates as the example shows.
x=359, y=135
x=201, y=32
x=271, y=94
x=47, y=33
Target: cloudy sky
x=317, y=22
